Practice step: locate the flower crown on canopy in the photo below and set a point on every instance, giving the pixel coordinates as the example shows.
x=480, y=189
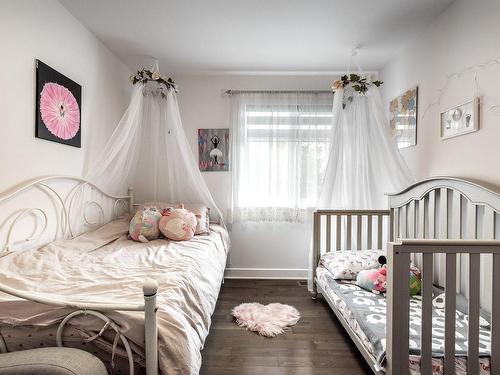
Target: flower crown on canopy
x=146, y=75
x=358, y=83
x=354, y=82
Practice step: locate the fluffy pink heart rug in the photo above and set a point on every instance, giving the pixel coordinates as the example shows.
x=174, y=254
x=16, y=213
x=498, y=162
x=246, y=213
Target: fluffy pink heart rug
x=267, y=320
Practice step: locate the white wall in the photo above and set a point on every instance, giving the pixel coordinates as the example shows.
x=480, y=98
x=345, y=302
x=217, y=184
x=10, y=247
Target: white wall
x=257, y=249
x=467, y=33
x=47, y=31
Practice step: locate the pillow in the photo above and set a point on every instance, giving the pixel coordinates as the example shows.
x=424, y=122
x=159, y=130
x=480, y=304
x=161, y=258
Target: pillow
x=178, y=224
x=347, y=264
x=201, y=211
x=144, y=225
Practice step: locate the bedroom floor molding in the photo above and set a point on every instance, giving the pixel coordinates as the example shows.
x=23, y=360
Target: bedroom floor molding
x=266, y=273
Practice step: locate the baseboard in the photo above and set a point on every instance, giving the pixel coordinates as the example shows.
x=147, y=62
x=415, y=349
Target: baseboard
x=266, y=273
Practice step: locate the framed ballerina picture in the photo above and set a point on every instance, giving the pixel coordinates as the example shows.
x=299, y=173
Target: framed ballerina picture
x=213, y=149
x=58, y=107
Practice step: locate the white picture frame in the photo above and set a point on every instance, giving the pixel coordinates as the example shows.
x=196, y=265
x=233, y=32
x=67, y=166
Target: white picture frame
x=461, y=119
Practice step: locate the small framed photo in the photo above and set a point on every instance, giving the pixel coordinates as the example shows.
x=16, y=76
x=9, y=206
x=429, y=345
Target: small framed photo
x=460, y=120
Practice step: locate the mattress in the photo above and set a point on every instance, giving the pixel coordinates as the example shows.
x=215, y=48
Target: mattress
x=104, y=266
x=365, y=312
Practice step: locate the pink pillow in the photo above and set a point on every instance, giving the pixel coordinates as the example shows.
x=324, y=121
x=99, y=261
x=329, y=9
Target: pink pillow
x=178, y=224
x=200, y=210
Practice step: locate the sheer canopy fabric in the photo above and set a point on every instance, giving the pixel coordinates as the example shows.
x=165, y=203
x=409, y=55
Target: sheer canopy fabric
x=364, y=161
x=149, y=151
x=280, y=149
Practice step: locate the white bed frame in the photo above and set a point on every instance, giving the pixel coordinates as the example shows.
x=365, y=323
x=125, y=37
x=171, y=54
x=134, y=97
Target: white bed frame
x=61, y=206
x=442, y=224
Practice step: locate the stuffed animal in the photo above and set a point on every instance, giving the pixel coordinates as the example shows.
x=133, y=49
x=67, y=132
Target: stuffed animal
x=144, y=225
x=375, y=280
x=178, y=224
x=415, y=281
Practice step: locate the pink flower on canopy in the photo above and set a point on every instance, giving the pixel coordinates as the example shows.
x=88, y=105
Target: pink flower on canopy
x=59, y=111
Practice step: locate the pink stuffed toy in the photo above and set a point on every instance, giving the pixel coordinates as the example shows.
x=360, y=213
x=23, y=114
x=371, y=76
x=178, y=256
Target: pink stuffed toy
x=376, y=280
x=381, y=282
x=178, y=224
x=373, y=280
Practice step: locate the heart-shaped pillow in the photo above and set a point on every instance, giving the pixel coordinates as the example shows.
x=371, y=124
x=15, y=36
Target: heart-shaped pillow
x=267, y=320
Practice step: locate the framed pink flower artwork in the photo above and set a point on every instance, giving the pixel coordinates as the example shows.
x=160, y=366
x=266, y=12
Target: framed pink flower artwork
x=58, y=107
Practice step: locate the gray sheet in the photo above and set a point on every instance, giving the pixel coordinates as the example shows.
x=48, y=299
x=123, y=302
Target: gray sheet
x=369, y=311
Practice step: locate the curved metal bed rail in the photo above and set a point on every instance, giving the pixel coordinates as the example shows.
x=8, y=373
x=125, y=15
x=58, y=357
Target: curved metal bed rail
x=9, y=193
x=150, y=290
x=65, y=203
x=48, y=300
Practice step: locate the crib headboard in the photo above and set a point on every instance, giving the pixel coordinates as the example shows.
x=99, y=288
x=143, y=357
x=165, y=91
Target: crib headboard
x=435, y=208
x=449, y=208
x=446, y=207
x=53, y=207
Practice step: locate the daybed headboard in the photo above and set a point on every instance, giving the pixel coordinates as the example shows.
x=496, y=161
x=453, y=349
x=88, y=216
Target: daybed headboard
x=450, y=208
x=53, y=207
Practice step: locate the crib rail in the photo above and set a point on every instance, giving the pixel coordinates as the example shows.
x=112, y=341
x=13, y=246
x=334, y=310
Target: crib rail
x=336, y=230
x=398, y=299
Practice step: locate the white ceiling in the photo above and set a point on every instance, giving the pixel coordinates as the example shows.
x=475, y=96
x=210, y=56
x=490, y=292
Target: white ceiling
x=204, y=36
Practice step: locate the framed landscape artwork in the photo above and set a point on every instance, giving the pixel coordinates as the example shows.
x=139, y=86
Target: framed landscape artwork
x=403, y=118
x=58, y=107
x=213, y=149
x=461, y=119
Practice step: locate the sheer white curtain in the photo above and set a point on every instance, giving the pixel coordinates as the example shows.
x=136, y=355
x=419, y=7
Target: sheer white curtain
x=280, y=148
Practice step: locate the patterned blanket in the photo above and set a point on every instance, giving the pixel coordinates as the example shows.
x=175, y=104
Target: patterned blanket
x=369, y=311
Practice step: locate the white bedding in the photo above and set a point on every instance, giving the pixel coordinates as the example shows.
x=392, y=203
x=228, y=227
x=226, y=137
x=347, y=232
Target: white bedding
x=103, y=266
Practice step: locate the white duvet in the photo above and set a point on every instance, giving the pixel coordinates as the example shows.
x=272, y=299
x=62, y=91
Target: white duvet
x=103, y=266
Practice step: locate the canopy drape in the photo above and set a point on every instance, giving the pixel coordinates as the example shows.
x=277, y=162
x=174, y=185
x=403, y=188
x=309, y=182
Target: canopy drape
x=364, y=161
x=149, y=151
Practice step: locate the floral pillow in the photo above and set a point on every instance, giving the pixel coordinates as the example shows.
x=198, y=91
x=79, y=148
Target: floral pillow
x=346, y=264
x=144, y=225
x=202, y=213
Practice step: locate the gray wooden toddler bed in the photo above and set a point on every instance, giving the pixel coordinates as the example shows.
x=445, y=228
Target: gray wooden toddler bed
x=140, y=307
x=449, y=228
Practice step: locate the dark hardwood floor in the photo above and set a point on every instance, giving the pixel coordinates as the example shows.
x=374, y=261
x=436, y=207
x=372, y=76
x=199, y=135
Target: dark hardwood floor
x=316, y=345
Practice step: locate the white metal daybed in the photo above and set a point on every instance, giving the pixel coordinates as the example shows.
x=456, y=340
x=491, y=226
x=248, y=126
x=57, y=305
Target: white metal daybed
x=450, y=228
x=86, y=292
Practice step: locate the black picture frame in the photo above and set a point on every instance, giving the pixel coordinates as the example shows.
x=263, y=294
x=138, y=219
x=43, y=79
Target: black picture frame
x=58, y=109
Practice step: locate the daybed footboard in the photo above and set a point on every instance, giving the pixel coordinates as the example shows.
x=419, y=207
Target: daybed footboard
x=150, y=289
x=398, y=300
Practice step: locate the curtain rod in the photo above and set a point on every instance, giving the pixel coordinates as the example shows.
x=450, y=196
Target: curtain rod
x=234, y=92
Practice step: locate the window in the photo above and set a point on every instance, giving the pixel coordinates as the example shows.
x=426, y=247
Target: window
x=281, y=146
